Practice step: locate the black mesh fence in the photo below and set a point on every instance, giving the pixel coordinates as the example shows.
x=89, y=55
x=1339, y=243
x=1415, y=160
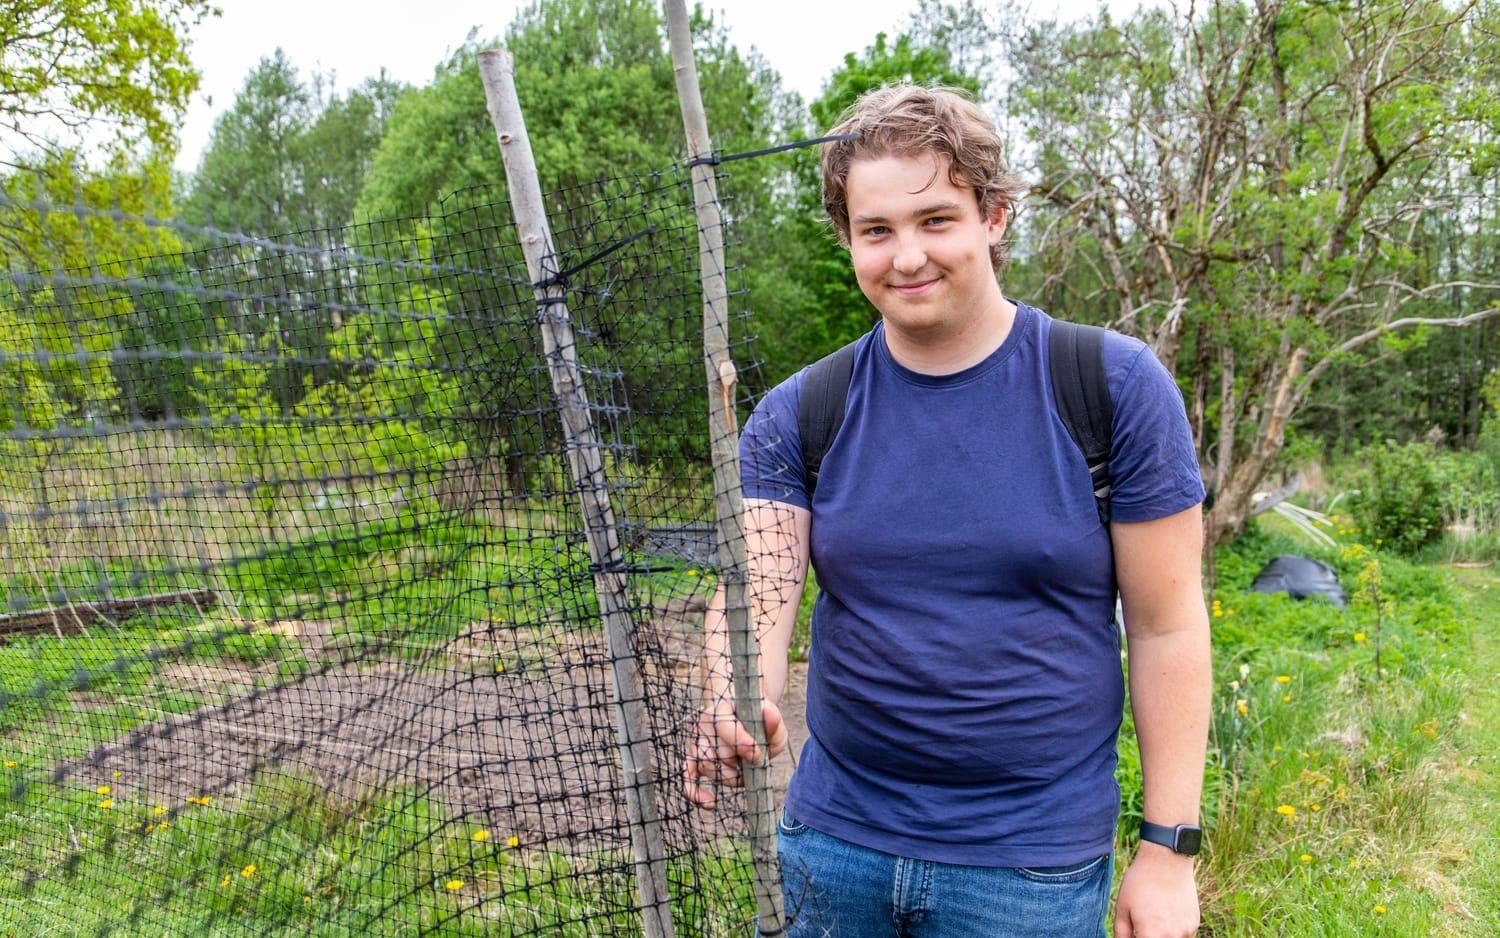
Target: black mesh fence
x=300, y=631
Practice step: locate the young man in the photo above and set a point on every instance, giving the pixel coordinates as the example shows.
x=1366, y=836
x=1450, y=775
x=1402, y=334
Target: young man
x=964, y=690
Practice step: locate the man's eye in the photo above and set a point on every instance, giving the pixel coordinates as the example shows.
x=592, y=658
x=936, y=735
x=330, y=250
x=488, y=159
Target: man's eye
x=938, y=220
x=875, y=231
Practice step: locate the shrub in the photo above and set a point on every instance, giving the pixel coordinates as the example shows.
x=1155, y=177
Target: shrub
x=1400, y=501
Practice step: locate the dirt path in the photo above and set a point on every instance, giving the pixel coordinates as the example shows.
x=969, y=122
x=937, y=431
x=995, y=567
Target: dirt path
x=1469, y=802
x=526, y=748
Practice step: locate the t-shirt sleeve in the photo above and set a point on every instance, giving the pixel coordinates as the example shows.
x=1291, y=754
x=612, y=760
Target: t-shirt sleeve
x=771, y=448
x=1153, y=466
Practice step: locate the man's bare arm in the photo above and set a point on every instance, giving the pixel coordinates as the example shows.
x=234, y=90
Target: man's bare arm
x=1157, y=565
x=776, y=547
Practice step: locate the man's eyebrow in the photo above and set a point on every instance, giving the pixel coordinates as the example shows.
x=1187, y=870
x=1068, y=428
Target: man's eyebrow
x=925, y=210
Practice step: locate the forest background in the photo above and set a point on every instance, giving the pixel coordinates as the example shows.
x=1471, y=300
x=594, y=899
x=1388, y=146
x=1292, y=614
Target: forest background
x=1289, y=200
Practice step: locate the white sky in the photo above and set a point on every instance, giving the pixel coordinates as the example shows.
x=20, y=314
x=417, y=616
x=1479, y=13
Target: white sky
x=804, y=40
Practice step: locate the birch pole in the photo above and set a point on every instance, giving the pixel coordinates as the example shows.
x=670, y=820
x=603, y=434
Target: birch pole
x=632, y=727
x=744, y=651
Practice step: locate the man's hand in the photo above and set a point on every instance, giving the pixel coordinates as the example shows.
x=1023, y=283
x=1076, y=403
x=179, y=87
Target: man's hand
x=720, y=744
x=1158, y=896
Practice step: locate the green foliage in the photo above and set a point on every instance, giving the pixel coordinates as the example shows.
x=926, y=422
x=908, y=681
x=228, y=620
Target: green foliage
x=1325, y=724
x=1218, y=182
x=1399, y=501
x=285, y=156
x=123, y=63
x=54, y=310
x=596, y=84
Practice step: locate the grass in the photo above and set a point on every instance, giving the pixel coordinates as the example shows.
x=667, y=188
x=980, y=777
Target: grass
x=1469, y=772
x=291, y=859
x=1323, y=768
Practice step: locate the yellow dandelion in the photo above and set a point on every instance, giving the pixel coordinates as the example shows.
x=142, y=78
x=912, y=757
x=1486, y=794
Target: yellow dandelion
x=1242, y=707
x=512, y=841
x=224, y=882
x=248, y=871
x=1359, y=636
x=499, y=667
x=107, y=803
x=162, y=826
x=140, y=713
x=102, y=790
x=1306, y=858
x=481, y=836
x=201, y=799
x=1380, y=910
x=1286, y=810
x=146, y=827
x=11, y=763
x=1316, y=808
x=306, y=899
x=118, y=773
x=1428, y=729
x=159, y=810
x=1218, y=613
x=1286, y=698
x=1283, y=679
x=454, y=885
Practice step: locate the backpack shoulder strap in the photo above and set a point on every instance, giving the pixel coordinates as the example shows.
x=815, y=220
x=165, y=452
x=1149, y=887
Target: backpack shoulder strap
x=820, y=410
x=1080, y=389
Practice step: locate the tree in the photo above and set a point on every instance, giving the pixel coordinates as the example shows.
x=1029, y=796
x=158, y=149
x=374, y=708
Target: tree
x=74, y=274
x=1245, y=186
x=596, y=83
x=287, y=156
x=246, y=180
x=71, y=64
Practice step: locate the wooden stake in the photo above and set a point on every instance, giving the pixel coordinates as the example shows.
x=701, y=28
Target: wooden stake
x=632, y=727
x=744, y=650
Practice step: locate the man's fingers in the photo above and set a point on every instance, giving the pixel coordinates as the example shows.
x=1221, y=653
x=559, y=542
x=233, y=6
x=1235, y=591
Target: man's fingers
x=1123, y=928
x=719, y=752
x=776, y=734
x=701, y=795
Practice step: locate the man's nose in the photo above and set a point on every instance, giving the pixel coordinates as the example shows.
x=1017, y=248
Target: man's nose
x=910, y=257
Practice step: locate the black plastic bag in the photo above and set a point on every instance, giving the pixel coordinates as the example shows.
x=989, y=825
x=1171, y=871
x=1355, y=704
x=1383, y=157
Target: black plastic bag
x=1300, y=577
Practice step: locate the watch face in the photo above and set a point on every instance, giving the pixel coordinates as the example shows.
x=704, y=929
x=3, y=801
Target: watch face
x=1189, y=839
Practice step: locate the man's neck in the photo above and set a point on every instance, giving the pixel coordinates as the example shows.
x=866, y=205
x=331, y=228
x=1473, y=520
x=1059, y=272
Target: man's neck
x=948, y=351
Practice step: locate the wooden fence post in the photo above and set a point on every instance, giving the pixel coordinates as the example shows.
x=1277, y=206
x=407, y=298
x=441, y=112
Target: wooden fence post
x=632, y=727
x=744, y=651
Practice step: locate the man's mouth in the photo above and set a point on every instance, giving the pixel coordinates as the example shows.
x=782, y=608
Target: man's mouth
x=912, y=289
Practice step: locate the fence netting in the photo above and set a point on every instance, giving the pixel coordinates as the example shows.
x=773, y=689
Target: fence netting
x=301, y=633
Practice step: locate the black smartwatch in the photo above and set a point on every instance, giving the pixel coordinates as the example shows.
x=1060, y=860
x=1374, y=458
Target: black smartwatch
x=1184, y=838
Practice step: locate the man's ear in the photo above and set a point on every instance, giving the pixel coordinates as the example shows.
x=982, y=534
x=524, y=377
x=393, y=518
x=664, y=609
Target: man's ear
x=996, y=224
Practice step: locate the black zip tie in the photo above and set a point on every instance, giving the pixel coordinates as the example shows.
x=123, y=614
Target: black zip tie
x=560, y=279
x=716, y=159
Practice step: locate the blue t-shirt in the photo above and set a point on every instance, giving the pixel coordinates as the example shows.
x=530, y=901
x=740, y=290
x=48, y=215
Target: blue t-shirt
x=964, y=689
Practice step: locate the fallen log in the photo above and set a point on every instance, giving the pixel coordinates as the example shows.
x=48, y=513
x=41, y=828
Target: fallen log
x=74, y=617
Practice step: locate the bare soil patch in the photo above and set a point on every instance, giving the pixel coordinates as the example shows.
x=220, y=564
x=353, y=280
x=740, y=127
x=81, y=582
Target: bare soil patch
x=505, y=727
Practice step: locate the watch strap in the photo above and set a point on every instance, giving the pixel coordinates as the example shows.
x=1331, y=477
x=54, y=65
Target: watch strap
x=1171, y=837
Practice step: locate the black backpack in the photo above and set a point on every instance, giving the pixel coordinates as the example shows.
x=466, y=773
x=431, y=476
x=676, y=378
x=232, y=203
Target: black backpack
x=1079, y=387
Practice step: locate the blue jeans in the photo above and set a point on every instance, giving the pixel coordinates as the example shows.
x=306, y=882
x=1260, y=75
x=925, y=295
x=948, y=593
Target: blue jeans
x=834, y=889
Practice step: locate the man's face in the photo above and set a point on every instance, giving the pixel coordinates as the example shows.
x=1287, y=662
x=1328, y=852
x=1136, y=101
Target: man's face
x=920, y=248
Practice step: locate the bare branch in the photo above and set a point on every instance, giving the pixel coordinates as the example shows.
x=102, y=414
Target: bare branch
x=1364, y=338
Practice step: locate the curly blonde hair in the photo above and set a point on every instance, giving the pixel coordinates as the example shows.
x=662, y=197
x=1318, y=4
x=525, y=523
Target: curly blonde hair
x=908, y=120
